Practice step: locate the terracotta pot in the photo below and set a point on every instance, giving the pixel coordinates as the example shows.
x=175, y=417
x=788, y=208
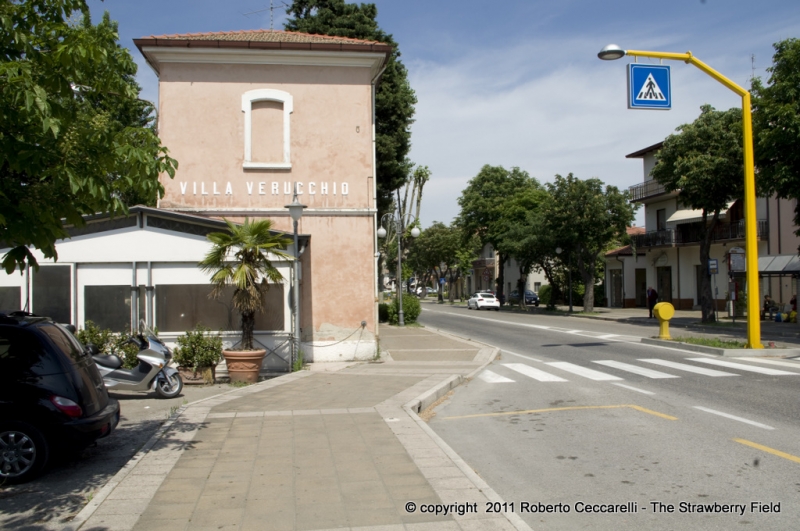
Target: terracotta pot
x=201, y=376
x=244, y=365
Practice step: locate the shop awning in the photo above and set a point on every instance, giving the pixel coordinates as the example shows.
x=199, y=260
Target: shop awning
x=695, y=215
x=781, y=265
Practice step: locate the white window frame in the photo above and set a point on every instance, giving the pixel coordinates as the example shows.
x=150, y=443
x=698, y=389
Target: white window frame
x=253, y=96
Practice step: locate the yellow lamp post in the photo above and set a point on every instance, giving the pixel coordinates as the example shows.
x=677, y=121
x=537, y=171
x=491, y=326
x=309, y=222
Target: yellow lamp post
x=611, y=52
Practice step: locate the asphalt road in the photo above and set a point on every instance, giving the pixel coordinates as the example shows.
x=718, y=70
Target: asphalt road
x=572, y=415
x=50, y=501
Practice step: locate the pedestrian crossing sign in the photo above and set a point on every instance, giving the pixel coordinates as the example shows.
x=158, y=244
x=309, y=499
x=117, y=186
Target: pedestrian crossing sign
x=649, y=87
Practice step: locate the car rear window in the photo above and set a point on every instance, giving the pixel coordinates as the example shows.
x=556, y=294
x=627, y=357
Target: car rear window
x=486, y=295
x=65, y=341
x=22, y=355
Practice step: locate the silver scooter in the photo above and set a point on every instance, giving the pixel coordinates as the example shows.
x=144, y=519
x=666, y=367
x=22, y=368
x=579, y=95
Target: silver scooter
x=152, y=373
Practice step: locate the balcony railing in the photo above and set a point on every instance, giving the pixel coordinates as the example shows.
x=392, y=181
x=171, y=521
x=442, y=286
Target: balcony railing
x=646, y=189
x=689, y=233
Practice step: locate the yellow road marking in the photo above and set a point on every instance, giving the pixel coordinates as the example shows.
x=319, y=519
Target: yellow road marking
x=569, y=408
x=769, y=450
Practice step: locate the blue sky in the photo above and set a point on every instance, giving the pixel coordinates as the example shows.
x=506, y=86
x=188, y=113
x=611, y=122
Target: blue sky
x=518, y=82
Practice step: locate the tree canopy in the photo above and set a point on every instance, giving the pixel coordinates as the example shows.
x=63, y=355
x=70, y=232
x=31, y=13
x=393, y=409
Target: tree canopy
x=445, y=251
x=704, y=163
x=584, y=219
x=776, y=124
x=74, y=137
x=394, y=98
x=489, y=208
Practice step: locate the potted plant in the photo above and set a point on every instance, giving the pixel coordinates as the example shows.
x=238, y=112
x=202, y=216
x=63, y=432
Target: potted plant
x=241, y=258
x=197, y=355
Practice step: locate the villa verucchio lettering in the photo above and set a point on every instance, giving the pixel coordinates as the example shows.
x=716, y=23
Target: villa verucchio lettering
x=265, y=188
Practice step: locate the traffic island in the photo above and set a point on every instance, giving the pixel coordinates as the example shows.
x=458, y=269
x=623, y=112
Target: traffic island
x=726, y=352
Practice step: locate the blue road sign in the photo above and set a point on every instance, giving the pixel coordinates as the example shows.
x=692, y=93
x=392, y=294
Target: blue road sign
x=649, y=87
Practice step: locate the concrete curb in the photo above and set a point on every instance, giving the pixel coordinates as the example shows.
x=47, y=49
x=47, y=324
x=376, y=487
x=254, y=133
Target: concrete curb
x=726, y=352
x=470, y=474
x=90, y=508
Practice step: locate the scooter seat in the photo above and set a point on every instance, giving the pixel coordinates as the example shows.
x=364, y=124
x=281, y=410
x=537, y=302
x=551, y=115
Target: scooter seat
x=111, y=361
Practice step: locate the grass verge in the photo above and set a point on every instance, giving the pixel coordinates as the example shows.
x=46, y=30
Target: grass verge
x=710, y=342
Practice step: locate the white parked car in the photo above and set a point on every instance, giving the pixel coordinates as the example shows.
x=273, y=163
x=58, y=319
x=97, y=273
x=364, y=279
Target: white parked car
x=483, y=300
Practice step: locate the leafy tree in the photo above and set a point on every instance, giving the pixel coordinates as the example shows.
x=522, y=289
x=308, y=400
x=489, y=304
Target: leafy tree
x=526, y=239
x=584, y=218
x=241, y=258
x=704, y=164
x=484, y=204
x=776, y=120
x=444, y=251
x=394, y=98
x=73, y=135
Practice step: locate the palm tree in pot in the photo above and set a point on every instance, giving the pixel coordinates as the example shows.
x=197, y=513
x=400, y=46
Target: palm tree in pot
x=240, y=258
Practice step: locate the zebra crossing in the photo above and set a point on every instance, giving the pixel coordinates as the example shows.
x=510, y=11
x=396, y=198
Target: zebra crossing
x=555, y=370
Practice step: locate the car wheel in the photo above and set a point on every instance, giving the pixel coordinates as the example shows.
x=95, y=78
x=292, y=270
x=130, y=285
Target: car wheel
x=23, y=452
x=171, y=388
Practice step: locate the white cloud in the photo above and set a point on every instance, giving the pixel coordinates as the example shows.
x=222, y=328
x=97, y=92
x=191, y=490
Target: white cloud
x=568, y=113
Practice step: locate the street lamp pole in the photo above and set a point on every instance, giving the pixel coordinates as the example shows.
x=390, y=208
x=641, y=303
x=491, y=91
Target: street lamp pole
x=389, y=218
x=611, y=52
x=296, y=212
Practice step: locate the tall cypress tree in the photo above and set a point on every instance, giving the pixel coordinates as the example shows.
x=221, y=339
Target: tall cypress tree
x=394, y=100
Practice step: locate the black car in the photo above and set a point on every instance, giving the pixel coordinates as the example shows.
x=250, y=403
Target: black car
x=530, y=297
x=52, y=397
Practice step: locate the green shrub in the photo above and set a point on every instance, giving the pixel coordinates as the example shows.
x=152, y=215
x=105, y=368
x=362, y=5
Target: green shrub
x=198, y=348
x=383, y=312
x=545, y=293
x=107, y=342
x=411, y=309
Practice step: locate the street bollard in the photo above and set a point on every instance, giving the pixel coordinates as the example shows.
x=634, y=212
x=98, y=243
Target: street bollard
x=663, y=312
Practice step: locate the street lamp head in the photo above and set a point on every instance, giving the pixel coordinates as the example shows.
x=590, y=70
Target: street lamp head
x=414, y=232
x=381, y=232
x=611, y=52
x=558, y=250
x=295, y=207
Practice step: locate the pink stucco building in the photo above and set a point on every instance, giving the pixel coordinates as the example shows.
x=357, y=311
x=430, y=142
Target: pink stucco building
x=250, y=115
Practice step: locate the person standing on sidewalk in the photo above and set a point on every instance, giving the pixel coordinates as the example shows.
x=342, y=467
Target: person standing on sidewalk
x=652, y=299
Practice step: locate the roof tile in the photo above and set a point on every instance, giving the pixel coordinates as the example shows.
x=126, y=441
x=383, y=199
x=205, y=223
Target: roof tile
x=263, y=35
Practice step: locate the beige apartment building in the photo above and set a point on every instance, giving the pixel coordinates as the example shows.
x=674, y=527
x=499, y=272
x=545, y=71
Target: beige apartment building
x=667, y=251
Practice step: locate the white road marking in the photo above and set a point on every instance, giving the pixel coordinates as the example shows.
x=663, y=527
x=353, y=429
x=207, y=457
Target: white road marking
x=582, y=371
x=520, y=355
x=743, y=367
x=608, y=336
x=536, y=374
x=633, y=388
x=635, y=339
x=650, y=373
x=492, y=377
x=734, y=417
x=689, y=368
x=794, y=365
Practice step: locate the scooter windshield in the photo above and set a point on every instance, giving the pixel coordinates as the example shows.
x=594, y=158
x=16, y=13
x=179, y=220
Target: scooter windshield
x=147, y=332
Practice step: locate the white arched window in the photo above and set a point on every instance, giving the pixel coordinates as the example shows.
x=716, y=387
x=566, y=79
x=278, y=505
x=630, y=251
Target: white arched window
x=248, y=99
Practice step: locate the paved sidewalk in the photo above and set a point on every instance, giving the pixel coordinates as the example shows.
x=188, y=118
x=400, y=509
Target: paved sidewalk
x=337, y=447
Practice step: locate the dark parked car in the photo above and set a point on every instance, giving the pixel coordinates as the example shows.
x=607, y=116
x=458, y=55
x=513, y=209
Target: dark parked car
x=52, y=397
x=530, y=297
